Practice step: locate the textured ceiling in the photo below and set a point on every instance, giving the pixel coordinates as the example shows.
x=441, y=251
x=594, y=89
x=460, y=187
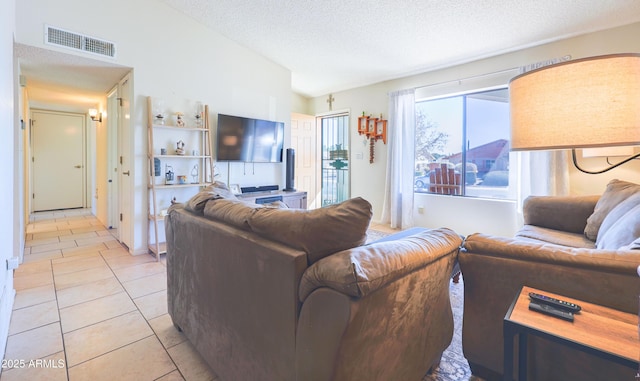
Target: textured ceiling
x=333, y=45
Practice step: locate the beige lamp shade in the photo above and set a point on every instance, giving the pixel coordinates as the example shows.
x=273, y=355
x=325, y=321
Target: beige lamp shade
x=592, y=102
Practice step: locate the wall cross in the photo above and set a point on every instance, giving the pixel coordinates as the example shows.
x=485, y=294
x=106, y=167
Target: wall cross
x=330, y=101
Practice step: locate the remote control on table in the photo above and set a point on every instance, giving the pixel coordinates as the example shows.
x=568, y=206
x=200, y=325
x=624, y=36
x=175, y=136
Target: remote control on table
x=549, y=310
x=564, y=305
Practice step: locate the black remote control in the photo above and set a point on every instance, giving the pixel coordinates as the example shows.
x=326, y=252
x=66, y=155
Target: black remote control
x=564, y=305
x=549, y=310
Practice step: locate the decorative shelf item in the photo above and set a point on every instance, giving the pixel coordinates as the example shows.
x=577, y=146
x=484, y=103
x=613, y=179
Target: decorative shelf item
x=199, y=114
x=180, y=120
x=159, y=111
x=180, y=148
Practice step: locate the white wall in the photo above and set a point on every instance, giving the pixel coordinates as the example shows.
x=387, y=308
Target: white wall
x=8, y=134
x=174, y=58
x=466, y=215
x=101, y=175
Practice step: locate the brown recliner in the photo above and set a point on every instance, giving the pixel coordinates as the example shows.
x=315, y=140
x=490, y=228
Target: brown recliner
x=543, y=256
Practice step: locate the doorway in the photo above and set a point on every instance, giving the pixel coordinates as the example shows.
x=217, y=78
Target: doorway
x=335, y=179
x=58, y=160
x=304, y=141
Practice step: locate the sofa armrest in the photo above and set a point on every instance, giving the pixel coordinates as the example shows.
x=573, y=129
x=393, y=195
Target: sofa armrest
x=565, y=213
x=362, y=270
x=606, y=277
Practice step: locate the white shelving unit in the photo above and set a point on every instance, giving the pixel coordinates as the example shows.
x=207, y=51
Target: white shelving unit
x=161, y=194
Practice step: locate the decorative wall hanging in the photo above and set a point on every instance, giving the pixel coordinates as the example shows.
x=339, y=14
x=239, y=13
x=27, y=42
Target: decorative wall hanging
x=373, y=129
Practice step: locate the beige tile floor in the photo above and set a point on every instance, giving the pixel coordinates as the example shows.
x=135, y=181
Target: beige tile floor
x=85, y=309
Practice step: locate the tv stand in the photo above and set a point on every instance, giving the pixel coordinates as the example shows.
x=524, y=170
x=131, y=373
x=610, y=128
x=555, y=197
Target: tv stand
x=295, y=200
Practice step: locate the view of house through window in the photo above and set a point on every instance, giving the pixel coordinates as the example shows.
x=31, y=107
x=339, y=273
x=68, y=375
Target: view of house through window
x=462, y=145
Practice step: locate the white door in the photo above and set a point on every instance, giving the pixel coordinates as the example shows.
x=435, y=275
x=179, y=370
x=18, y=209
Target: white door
x=335, y=184
x=113, y=218
x=125, y=165
x=58, y=160
x=304, y=142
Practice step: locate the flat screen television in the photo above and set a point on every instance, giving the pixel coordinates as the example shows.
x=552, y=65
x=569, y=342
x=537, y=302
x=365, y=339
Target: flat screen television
x=249, y=140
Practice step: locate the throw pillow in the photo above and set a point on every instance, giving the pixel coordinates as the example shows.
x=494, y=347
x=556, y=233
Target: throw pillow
x=616, y=214
x=318, y=232
x=616, y=192
x=635, y=245
x=623, y=232
x=214, y=191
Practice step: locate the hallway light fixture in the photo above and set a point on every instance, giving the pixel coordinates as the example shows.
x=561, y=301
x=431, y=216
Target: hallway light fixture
x=587, y=103
x=95, y=115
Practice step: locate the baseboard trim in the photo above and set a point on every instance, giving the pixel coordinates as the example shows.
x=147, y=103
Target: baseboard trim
x=6, y=307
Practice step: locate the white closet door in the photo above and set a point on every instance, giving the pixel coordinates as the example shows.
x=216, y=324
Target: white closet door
x=58, y=160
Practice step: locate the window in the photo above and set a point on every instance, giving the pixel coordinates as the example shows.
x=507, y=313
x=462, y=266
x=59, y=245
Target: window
x=468, y=131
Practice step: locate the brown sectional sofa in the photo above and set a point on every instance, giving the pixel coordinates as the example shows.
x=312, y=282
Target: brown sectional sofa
x=581, y=247
x=265, y=293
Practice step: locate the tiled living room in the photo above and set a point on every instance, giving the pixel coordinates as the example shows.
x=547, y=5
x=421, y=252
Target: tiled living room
x=89, y=307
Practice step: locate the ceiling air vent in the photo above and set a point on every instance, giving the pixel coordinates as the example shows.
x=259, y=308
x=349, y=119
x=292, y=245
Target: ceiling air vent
x=61, y=37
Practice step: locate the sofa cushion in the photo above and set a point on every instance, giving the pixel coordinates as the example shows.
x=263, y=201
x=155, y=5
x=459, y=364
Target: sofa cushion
x=557, y=237
x=232, y=212
x=616, y=192
x=564, y=213
x=361, y=270
x=214, y=191
x=318, y=232
x=617, y=213
x=622, y=232
x=236, y=212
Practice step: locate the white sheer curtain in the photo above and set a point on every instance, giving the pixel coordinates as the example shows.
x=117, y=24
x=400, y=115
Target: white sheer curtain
x=542, y=173
x=397, y=208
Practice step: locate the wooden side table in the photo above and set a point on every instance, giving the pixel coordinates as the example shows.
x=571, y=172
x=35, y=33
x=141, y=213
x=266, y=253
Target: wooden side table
x=601, y=331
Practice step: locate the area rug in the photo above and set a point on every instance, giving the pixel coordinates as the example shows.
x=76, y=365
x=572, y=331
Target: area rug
x=453, y=366
x=374, y=235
